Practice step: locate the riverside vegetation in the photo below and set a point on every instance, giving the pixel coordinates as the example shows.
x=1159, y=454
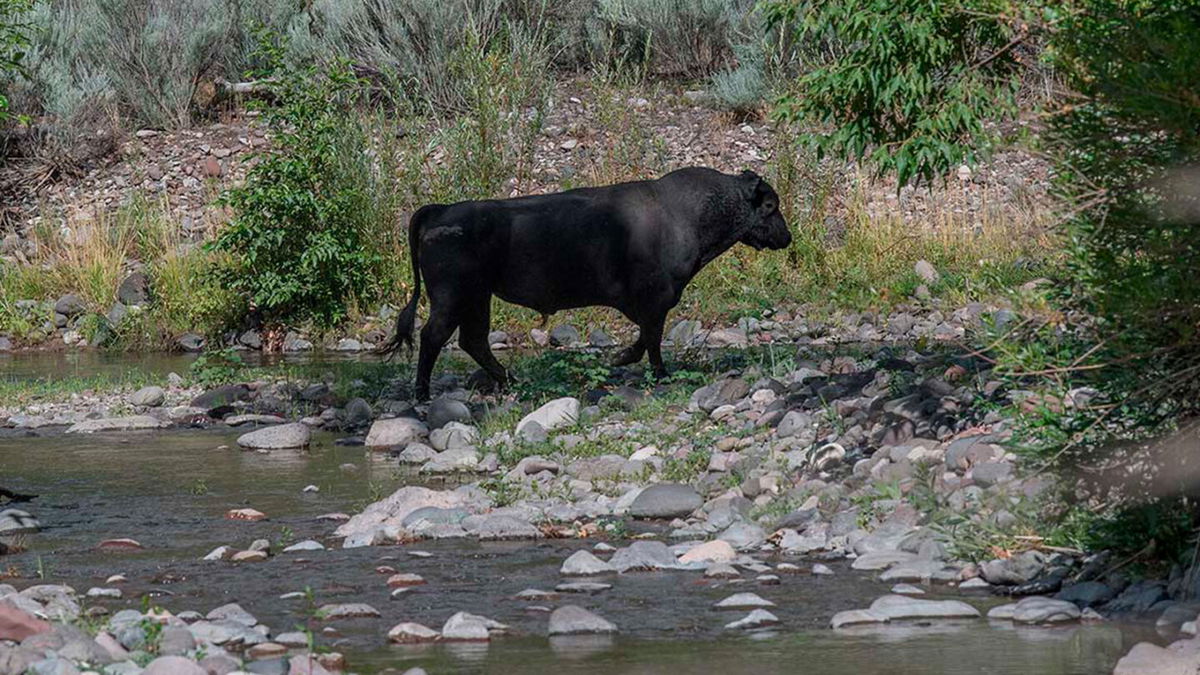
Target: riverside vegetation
x=1041, y=456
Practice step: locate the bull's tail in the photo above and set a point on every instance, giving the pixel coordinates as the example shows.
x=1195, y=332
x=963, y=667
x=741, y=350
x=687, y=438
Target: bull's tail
x=407, y=321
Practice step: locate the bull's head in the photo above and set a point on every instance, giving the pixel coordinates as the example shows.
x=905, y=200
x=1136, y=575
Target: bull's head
x=768, y=229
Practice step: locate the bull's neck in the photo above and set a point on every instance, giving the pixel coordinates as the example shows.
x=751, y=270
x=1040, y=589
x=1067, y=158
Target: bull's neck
x=719, y=231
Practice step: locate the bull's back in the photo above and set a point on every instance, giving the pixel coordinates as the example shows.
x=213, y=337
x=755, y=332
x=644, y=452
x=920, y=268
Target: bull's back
x=548, y=252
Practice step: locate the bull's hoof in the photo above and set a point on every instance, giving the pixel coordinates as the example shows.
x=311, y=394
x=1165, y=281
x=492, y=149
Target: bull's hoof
x=484, y=383
x=625, y=357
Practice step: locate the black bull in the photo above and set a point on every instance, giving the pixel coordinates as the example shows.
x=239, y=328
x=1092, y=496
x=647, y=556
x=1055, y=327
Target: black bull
x=632, y=246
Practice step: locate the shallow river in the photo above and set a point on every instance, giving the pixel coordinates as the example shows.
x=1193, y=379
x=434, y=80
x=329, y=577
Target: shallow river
x=170, y=491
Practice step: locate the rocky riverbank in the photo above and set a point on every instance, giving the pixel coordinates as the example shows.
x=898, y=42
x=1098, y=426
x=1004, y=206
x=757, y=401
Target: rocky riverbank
x=880, y=454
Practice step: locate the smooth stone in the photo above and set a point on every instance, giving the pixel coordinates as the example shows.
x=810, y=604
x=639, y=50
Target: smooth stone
x=717, y=551
x=409, y=632
x=349, y=610
x=173, y=665
x=901, y=607
x=573, y=620
x=666, y=500
x=148, y=397
x=856, y=617
x=283, y=436
x=643, y=555
x=1037, y=609
x=744, y=601
x=583, y=563
x=759, y=618
x=130, y=423
x=397, y=431
x=557, y=414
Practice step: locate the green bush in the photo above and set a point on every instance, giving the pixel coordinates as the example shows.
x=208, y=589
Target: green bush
x=307, y=232
x=909, y=86
x=13, y=42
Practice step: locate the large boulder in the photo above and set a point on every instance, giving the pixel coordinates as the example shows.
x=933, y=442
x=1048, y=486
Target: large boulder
x=559, y=413
x=397, y=431
x=666, y=500
x=295, y=435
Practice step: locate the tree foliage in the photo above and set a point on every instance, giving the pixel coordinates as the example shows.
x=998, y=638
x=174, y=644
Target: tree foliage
x=910, y=84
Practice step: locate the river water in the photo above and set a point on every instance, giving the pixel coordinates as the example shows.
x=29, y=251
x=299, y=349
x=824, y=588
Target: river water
x=170, y=490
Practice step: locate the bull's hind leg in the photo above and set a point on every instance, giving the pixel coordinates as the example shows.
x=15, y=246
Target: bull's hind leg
x=631, y=354
x=472, y=337
x=652, y=333
x=434, y=335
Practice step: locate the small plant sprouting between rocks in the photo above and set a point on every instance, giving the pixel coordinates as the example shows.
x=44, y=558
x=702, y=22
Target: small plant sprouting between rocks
x=216, y=366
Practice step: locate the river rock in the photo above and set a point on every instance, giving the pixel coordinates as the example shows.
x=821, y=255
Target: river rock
x=416, y=453
x=1018, y=569
x=405, y=633
x=348, y=610
x=901, y=607
x=16, y=521
x=148, y=397
x=173, y=665
x=583, y=563
x=134, y=289
x=70, y=305
x=643, y=555
x=497, y=527
x=130, y=423
x=856, y=617
x=573, y=620
x=17, y=624
x=397, y=431
x=1150, y=659
x=392, y=511
x=559, y=413
x=454, y=436
x=717, y=551
x=759, y=618
x=464, y=626
x=252, y=418
x=1036, y=609
x=232, y=612
x=744, y=601
x=665, y=500
x=444, y=409
x=294, y=435
x=221, y=396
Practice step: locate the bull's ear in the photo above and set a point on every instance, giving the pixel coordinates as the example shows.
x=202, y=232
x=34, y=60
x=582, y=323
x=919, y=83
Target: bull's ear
x=754, y=187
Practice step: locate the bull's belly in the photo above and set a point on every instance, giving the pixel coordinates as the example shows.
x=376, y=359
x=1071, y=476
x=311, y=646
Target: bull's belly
x=567, y=288
x=549, y=301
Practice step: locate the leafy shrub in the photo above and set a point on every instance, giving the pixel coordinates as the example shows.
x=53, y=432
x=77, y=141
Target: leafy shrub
x=13, y=43
x=910, y=87
x=909, y=84
x=300, y=243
